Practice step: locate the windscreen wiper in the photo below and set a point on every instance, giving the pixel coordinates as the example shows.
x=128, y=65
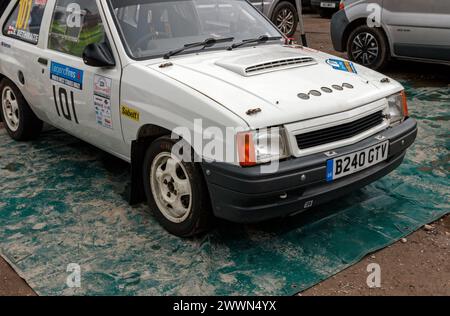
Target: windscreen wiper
x=209, y=42
x=261, y=39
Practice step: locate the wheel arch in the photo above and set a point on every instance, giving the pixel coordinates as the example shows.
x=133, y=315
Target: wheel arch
x=272, y=9
x=146, y=135
x=356, y=23
x=151, y=131
x=20, y=87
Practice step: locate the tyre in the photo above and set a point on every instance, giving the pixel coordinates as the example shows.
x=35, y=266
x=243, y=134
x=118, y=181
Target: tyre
x=18, y=118
x=369, y=47
x=285, y=17
x=176, y=190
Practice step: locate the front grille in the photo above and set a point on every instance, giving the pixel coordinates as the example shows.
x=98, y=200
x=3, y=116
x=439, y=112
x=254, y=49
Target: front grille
x=340, y=132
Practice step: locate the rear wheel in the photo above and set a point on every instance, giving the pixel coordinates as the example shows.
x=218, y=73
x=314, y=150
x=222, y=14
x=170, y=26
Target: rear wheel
x=19, y=120
x=285, y=17
x=176, y=190
x=368, y=46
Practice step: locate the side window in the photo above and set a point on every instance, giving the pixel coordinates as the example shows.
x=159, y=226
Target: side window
x=24, y=23
x=75, y=24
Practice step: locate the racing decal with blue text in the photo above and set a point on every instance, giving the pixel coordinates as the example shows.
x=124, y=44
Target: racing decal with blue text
x=67, y=75
x=342, y=65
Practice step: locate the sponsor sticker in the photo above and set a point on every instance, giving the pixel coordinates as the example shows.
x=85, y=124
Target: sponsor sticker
x=22, y=34
x=103, y=111
x=67, y=75
x=102, y=101
x=130, y=113
x=342, y=65
x=102, y=86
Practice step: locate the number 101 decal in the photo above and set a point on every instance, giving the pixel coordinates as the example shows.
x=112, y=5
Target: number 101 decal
x=67, y=109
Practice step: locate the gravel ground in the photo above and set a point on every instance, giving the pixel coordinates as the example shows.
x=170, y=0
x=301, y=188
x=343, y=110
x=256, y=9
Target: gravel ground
x=10, y=282
x=417, y=265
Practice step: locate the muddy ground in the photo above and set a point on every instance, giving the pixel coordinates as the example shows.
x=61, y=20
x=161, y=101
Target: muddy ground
x=418, y=265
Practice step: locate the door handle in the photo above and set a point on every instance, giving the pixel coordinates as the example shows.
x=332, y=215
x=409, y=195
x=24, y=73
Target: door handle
x=43, y=61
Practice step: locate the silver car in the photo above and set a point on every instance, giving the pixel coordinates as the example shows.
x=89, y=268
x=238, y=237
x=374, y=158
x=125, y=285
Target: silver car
x=283, y=13
x=374, y=31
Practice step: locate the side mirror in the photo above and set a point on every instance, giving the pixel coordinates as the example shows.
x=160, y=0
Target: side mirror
x=98, y=55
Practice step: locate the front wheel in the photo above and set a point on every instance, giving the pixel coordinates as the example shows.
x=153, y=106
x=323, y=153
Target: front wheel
x=285, y=17
x=176, y=190
x=368, y=46
x=19, y=120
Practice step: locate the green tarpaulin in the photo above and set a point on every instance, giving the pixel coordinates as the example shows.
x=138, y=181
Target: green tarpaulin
x=61, y=203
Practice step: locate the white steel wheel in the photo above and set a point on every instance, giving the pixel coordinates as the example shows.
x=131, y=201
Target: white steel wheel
x=10, y=108
x=176, y=189
x=19, y=120
x=171, y=188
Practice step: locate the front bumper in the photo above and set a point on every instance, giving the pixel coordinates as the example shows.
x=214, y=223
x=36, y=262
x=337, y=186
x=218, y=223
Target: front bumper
x=245, y=195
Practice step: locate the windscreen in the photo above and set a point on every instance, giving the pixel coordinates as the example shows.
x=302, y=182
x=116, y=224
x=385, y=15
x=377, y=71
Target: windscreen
x=151, y=28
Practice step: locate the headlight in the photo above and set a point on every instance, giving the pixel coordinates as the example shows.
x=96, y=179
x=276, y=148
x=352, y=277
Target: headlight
x=398, y=108
x=261, y=146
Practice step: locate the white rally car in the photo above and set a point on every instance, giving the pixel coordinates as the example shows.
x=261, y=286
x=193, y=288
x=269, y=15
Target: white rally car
x=272, y=128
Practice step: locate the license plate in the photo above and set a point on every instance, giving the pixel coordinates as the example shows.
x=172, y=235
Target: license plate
x=328, y=5
x=346, y=165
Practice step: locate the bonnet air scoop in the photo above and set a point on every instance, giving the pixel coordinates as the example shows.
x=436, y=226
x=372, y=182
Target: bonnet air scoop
x=255, y=64
x=283, y=63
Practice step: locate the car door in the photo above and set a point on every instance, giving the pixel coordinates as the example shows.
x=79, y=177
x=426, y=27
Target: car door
x=82, y=100
x=21, y=45
x=418, y=28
